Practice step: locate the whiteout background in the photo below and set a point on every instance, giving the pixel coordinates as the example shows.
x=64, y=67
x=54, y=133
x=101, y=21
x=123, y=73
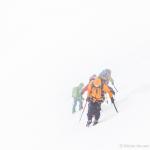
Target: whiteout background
x=47, y=47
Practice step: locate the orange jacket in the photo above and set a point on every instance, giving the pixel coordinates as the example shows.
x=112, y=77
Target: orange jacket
x=95, y=89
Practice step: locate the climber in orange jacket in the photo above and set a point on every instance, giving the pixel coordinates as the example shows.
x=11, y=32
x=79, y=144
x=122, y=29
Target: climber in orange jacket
x=95, y=98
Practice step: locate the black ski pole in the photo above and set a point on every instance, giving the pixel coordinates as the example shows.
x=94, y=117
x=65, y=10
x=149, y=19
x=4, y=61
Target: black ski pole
x=115, y=107
x=115, y=88
x=83, y=111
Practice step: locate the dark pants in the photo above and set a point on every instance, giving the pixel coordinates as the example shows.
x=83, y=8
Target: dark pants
x=94, y=110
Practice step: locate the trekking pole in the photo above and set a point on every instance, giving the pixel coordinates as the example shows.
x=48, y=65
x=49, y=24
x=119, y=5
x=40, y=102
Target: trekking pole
x=115, y=107
x=115, y=88
x=83, y=111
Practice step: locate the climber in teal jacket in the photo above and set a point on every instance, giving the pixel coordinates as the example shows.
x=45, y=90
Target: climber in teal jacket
x=77, y=96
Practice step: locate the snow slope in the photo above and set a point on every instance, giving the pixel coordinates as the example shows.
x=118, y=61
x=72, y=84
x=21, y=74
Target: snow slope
x=128, y=128
x=48, y=47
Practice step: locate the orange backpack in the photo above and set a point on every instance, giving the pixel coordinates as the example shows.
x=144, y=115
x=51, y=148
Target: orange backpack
x=95, y=89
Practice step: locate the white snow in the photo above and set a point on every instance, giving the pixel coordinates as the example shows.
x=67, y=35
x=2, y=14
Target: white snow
x=48, y=47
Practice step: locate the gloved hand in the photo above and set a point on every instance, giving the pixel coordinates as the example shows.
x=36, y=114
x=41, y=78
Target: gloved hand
x=113, y=92
x=99, y=102
x=88, y=99
x=112, y=100
x=111, y=89
x=102, y=99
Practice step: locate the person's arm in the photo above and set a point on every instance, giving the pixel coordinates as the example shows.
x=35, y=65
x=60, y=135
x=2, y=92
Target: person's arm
x=89, y=89
x=107, y=90
x=84, y=89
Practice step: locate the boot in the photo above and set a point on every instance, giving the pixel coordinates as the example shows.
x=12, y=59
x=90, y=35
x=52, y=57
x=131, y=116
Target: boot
x=95, y=122
x=88, y=123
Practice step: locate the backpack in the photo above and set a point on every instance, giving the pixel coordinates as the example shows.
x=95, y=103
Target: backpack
x=106, y=75
x=96, y=91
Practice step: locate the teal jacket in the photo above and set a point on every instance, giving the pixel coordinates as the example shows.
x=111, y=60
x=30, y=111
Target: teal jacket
x=77, y=93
